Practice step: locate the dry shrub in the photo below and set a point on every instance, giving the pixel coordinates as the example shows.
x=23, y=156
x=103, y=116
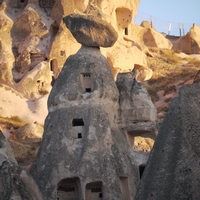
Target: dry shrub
x=170, y=56
x=167, y=74
x=14, y=121
x=193, y=61
x=177, y=51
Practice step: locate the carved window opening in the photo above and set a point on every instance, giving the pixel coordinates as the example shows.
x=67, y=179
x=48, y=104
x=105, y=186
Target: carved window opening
x=141, y=170
x=126, y=31
x=87, y=82
x=62, y=53
x=94, y=191
x=55, y=69
x=124, y=187
x=78, y=122
x=22, y=1
x=68, y=189
x=78, y=127
x=140, y=140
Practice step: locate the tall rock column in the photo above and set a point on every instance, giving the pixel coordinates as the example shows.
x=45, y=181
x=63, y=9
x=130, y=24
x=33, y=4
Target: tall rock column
x=83, y=154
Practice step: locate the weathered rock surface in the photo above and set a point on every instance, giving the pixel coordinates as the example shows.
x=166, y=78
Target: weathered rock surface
x=15, y=183
x=136, y=113
x=86, y=148
x=29, y=132
x=91, y=31
x=189, y=43
x=93, y=64
x=135, y=103
x=172, y=171
x=146, y=24
x=150, y=37
x=6, y=56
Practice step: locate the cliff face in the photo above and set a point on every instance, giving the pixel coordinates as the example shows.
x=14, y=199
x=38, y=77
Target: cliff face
x=175, y=155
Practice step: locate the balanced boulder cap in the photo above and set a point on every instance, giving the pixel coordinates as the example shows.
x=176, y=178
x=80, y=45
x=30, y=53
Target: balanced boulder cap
x=91, y=31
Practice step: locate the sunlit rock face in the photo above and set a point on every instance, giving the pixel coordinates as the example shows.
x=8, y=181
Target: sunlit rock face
x=37, y=39
x=189, y=43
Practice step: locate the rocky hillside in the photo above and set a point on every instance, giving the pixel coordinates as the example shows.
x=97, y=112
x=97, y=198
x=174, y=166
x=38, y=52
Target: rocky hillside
x=37, y=43
x=172, y=69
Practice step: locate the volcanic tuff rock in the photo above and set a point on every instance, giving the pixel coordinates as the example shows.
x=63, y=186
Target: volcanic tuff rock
x=189, y=43
x=150, y=37
x=15, y=183
x=136, y=113
x=81, y=139
x=135, y=102
x=172, y=171
x=31, y=131
x=91, y=31
x=35, y=43
x=90, y=156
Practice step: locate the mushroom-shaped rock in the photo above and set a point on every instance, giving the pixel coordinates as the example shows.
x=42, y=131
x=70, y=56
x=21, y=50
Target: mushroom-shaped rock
x=91, y=31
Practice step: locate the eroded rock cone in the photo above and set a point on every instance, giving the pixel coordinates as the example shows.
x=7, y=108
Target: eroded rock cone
x=89, y=155
x=91, y=31
x=85, y=147
x=172, y=171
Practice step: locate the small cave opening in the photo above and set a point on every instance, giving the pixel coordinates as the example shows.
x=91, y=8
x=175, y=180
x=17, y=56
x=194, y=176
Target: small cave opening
x=78, y=128
x=68, y=189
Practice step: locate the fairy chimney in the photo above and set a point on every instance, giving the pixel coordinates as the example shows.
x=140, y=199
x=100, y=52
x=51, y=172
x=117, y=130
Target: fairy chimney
x=83, y=154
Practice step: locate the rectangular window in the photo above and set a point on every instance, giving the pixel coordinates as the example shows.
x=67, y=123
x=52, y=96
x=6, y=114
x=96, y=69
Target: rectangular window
x=77, y=122
x=87, y=82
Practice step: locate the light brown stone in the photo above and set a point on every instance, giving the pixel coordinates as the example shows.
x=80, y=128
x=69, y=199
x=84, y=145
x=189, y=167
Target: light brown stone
x=189, y=43
x=150, y=37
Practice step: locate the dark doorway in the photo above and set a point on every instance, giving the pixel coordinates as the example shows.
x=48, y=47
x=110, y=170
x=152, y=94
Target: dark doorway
x=141, y=170
x=68, y=189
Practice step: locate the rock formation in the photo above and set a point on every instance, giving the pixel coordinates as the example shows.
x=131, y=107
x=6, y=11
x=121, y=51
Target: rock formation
x=90, y=155
x=149, y=37
x=15, y=183
x=172, y=171
x=137, y=114
x=37, y=42
x=190, y=42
